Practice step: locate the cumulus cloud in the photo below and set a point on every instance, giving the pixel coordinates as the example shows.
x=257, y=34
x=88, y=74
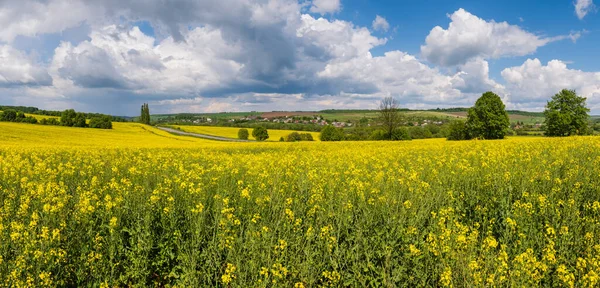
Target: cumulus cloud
x=583, y=7
x=242, y=55
x=19, y=69
x=533, y=82
x=325, y=6
x=469, y=36
x=380, y=24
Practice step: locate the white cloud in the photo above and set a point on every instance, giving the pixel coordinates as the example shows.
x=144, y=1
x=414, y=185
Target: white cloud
x=336, y=39
x=583, y=7
x=469, y=36
x=395, y=74
x=32, y=18
x=217, y=55
x=19, y=69
x=325, y=6
x=532, y=82
x=380, y=24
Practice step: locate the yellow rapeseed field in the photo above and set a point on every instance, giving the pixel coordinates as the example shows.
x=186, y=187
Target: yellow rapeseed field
x=232, y=132
x=135, y=206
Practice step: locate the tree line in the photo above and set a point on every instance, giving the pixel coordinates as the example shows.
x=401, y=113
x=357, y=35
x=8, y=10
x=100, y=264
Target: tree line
x=565, y=114
x=68, y=118
x=37, y=111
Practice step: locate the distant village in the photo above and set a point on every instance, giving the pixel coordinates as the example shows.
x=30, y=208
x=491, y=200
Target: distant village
x=314, y=120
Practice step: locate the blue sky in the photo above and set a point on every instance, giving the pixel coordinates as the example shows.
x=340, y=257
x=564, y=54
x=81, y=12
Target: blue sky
x=260, y=55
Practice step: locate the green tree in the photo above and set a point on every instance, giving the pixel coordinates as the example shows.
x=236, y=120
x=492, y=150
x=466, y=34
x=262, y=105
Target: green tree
x=79, y=120
x=101, y=122
x=243, y=134
x=488, y=119
x=330, y=133
x=68, y=118
x=566, y=114
x=9, y=115
x=260, y=133
x=457, y=131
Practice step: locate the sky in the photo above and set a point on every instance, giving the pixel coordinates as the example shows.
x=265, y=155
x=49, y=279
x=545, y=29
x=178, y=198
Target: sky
x=110, y=56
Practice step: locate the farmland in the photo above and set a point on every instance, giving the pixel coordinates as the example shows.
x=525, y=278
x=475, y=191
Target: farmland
x=230, y=132
x=136, y=206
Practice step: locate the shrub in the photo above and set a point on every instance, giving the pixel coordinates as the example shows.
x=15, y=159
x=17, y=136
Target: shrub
x=330, y=133
x=293, y=137
x=306, y=137
x=49, y=121
x=243, y=134
x=101, y=122
x=400, y=134
x=377, y=135
x=260, y=133
x=458, y=131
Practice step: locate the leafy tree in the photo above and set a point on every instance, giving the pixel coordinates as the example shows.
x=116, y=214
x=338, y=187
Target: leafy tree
x=79, y=120
x=243, y=134
x=488, y=119
x=566, y=114
x=389, y=115
x=68, y=118
x=457, y=131
x=330, y=133
x=260, y=133
x=9, y=115
x=281, y=139
x=101, y=122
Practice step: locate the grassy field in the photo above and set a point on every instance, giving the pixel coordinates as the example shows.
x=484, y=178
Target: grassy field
x=232, y=132
x=135, y=206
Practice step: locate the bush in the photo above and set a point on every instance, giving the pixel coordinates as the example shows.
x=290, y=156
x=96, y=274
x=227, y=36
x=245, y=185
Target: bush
x=458, y=131
x=377, y=135
x=260, y=133
x=400, y=134
x=281, y=139
x=243, y=134
x=330, y=133
x=101, y=122
x=293, y=137
x=418, y=132
x=306, y=137
x=49, y=121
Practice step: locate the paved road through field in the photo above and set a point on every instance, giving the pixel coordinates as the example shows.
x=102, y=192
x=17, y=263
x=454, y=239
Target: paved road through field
x=211, y=137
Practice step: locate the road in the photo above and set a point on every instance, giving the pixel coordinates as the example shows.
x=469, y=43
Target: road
x=210, y=137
